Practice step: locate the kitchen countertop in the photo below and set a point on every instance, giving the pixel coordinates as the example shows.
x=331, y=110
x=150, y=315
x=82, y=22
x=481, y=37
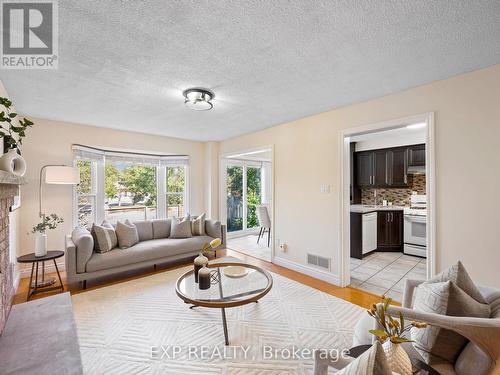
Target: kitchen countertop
x=364, y=208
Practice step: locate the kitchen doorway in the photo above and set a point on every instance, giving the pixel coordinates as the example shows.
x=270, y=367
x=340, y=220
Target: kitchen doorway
x=246, y=201
x=387, y=199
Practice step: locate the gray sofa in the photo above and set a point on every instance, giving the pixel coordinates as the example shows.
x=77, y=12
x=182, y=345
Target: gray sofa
x=154, y=247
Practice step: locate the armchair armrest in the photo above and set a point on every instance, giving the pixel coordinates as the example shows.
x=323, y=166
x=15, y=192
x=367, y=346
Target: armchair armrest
x=484, y=332
x=410, y=286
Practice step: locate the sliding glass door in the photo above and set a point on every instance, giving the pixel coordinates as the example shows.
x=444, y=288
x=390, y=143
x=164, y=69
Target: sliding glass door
x=243, y=188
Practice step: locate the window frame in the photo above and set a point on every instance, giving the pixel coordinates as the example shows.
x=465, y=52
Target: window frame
x=98, y=189
x=184, y=194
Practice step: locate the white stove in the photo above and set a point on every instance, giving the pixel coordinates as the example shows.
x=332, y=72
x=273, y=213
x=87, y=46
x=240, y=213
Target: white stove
x=415, y=226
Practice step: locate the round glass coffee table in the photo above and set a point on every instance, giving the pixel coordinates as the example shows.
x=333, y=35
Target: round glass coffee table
x=225, y=291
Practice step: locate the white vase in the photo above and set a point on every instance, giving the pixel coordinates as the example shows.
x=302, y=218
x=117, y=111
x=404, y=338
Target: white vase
x=397, y=358
x=12, y=162
x=40, y=244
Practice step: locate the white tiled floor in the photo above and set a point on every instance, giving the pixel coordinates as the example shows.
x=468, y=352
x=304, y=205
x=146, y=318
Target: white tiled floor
x=248, y=245
x=385, y=273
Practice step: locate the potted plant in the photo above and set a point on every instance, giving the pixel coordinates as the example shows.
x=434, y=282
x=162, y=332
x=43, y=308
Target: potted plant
x=392, y=335
x=12, y=130
x=40, y=230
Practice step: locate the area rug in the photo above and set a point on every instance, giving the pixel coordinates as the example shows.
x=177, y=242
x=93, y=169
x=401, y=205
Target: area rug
x=143, y=327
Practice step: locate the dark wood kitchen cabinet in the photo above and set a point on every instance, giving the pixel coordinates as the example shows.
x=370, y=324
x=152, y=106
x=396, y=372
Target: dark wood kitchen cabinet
x=390, y=230
x=381, y=168
x=398, y=167
x=416, y=156
x=364, y=168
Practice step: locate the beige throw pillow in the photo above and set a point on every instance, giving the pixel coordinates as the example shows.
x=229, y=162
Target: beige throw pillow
x=458, y=274
x=127, y=234
x=371, y=362
x=181, y=229
x=438, y=345
x=198, y=225
x=104, y=237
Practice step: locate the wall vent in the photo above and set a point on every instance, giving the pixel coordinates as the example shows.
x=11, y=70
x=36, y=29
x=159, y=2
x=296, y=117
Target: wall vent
x=318, y=261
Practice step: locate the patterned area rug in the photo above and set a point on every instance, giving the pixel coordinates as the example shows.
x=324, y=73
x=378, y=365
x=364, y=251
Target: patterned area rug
x=142, y=327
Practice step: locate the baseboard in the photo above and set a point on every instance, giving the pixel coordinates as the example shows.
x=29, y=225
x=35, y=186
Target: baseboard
x=309, y=271
x=49, y=268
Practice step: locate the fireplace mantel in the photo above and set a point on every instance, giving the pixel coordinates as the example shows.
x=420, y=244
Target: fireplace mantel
x=7, y=178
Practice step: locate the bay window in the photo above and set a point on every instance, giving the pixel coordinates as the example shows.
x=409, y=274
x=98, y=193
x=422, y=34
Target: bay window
x=117, y=186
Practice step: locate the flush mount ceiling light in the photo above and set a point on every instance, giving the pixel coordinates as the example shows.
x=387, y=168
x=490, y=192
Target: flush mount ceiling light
x=198, y=99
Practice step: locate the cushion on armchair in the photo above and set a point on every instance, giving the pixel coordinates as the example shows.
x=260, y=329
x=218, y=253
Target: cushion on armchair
x=371, y=362
x=436, y=344
x=458, y=274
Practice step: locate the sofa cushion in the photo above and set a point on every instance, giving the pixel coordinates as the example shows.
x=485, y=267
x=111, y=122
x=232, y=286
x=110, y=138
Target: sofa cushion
x=213, y=228
x=144, y=251
x=181, y=229
x=127, y=234
x=84, y=243
x=104, y=237
x=144, y=230
x=161, y=228
x=198, y=225
x=446, y=298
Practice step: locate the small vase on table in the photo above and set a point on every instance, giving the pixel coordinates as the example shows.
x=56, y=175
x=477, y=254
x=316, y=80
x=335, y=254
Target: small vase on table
x=40, y=244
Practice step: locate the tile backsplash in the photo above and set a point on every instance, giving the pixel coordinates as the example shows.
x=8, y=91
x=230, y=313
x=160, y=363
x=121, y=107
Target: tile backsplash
x=398, y=197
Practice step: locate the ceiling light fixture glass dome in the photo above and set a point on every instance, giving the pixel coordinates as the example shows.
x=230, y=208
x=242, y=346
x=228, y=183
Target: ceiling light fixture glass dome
x=198, y=99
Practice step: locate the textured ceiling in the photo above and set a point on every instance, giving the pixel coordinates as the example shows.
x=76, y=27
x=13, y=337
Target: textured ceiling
x=123, y=64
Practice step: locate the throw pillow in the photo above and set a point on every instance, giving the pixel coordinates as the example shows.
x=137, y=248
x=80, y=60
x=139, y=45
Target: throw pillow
x=198, y=225
x=181, y=229
x=104, y=237
x=371, y=362
x=437, y=344
x=461, y=278
x=127, y=234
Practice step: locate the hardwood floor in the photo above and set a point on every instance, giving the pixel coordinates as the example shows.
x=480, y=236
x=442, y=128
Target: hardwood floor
x=356, y=296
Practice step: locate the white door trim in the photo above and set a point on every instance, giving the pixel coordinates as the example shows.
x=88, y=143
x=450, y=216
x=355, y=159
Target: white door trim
x=344, y=167
x=222, y=191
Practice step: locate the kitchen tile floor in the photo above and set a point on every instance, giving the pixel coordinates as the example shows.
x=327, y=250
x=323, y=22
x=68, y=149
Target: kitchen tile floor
x=385, y=273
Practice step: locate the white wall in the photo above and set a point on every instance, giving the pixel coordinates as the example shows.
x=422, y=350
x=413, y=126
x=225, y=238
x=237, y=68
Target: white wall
x=49, y=142
x=467, y=118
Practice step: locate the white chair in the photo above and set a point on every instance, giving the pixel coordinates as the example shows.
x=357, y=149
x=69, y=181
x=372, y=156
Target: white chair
x=264, y=222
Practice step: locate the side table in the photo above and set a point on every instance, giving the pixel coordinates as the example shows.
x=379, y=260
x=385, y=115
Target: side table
x=34, y=287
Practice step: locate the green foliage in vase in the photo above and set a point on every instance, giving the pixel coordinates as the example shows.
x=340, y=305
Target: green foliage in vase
x=393, y=329
x=12, y=127
x=48, y=222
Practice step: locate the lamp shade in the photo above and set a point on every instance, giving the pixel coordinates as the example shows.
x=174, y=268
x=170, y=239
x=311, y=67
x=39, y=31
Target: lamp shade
x=62, y=175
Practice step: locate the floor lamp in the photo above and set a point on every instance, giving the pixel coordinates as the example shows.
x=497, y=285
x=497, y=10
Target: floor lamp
x=55, y=175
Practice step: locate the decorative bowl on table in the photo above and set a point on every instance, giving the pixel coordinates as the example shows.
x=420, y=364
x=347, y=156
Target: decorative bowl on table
x=235, y=271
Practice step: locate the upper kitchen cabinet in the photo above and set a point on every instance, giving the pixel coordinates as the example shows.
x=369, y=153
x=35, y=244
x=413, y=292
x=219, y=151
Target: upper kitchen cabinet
x=381, y=166
x=398, y=167
x=416, y=156
x=364, y=168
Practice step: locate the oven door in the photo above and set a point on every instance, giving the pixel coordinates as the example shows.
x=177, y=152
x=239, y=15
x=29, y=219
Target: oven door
x=415, y=230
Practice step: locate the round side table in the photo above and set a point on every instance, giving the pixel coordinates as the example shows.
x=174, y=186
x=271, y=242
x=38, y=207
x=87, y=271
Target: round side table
x=37, y=286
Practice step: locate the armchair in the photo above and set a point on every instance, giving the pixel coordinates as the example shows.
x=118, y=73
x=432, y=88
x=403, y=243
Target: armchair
x=481, y=356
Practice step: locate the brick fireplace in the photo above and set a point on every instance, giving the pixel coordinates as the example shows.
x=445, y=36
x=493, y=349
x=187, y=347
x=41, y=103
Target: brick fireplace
x=8, y=189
